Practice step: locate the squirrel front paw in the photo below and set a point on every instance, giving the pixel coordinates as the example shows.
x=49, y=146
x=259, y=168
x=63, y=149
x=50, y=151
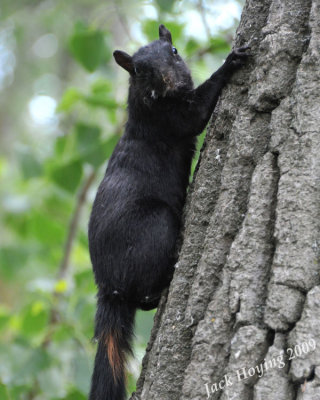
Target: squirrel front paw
x=238, y=57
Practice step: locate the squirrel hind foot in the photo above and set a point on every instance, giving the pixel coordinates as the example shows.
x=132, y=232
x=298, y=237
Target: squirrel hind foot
x=150, y=302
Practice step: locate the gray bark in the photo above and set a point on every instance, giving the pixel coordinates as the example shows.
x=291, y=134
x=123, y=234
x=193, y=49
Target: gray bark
x=246, y=288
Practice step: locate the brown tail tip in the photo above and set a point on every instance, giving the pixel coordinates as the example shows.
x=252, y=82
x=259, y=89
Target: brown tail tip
x=115, y=354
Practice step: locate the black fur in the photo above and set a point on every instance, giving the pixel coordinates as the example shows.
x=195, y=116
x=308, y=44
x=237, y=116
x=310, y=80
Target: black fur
x=136, y=215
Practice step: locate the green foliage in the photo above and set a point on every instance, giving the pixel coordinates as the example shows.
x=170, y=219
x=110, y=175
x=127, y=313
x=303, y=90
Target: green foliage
x=68, y=175
x=165, y=5
x=88, y=47
x=29, y=165
x=219, y=45
x=151, y=27
x=50, y=171
x=70, y=98
x=3, y=392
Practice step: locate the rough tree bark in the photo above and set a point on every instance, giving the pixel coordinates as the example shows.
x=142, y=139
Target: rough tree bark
x=247, y=286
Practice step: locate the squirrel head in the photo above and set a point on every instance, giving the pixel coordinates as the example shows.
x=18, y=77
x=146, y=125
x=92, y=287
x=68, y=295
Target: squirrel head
x=156, y=70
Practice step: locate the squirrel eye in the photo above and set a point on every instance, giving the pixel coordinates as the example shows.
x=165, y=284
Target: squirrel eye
x=137, y=71
x=174, y=50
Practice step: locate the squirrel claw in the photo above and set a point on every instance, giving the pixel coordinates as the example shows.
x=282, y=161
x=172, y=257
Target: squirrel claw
x=242, y=51
x=243, y=48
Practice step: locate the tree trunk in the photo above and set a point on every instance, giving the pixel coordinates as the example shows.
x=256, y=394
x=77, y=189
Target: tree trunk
x=244, y=305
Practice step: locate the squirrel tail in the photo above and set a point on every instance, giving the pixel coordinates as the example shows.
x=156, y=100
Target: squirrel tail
x=114, y=329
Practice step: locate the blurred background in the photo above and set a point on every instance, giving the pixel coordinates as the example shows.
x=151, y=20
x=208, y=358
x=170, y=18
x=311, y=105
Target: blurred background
x=62, y=110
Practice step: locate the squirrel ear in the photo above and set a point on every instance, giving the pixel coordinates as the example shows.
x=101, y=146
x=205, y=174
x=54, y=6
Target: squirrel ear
x=124, y=60
x=164, y=34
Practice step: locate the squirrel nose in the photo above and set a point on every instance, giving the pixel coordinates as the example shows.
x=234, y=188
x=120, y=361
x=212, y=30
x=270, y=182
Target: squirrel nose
x=168, y=80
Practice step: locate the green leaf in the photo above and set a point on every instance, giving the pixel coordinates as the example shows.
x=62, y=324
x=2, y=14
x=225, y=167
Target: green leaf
x=3, y=392
x=95, y=157
x=101, y=100
x=29, y=165
x=150, y=29
x=12, y=259
x=191, y=47
x=101, y=86
x=70, y=97
x=88, y=47
x=18, y=391
x=35, y=319
x=101, y=153
x=65, y=148
x=219, y=45
x=165, y=5
x=68, y=175
x=90, y=147
x=84, y=281
x=61, y=286
x=176, y=30
x=89, y=143
x=112, y=115
x=4, y=318
x=75, y=395
x=109, y=145
x=62, y=333
x=45, y=228
x=60, y=144
x=87, y=137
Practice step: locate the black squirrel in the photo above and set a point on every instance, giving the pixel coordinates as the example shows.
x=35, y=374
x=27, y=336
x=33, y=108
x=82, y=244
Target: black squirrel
x=136, y=215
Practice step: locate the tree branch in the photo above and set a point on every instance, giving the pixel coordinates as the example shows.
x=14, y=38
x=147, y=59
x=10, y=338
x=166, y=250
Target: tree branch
x=64, y=266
